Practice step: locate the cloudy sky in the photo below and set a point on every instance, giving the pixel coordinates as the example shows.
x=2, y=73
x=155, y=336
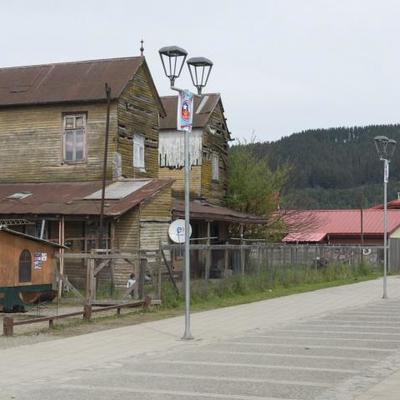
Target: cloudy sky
x=282, y=66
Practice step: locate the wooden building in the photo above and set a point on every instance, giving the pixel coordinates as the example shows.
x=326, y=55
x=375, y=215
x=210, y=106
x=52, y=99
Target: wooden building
x=58, y=112
x=209, y=142
x=27, y=269
x=136, y=217
x=52, y=140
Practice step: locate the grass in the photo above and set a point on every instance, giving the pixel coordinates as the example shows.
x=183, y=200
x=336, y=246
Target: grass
x=278, y=282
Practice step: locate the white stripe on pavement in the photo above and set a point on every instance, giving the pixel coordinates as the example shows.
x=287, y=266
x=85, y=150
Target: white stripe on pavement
x=227, y=379
x=311, y=346
x=329, y=338
x=115, y=390
x=260, y=366
x=257, y=353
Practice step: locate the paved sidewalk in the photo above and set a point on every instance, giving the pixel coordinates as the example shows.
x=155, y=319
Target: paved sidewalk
x=388, y=389
x=77, y=367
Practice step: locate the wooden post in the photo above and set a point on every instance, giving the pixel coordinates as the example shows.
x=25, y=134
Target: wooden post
x=226, y=260
x=142, y=271
x=61, y=240
x=242, y=255
x=87, y=312
x=112, y=247
x=147, y=302
x=8, y=326
x=159, y=284
x=208, y=254
x=90, y=281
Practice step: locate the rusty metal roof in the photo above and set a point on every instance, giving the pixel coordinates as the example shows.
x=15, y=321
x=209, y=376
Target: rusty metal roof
x=315, y=225
x=81, y=81
x=67, y=198
x=203, y=107
x=208, y=212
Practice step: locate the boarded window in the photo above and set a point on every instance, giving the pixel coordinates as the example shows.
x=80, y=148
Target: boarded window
x=138, y=151
x=25, y=266
x=215, y=167
x=74, y=137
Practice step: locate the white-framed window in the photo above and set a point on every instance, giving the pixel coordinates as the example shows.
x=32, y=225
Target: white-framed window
x=138, y=151
x=214, y=167
x=74, y=137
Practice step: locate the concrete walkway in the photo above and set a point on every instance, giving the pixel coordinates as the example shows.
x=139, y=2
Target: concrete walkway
x=335, y=343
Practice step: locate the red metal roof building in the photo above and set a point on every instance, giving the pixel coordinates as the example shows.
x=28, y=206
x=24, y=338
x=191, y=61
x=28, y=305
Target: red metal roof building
x=340, y=226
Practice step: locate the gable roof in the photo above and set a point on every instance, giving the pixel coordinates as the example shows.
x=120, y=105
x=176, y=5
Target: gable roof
x=72, y=198
x=393, y=205
x=201, y=115
x=80, y=81
x=315, y=225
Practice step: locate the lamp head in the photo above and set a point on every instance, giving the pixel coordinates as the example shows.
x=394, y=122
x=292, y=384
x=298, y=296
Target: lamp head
x=385, y=147
x=199, y=68
x=172, y=59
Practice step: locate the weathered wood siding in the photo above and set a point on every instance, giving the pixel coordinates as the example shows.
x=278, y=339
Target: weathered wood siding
x=212, y=140
x=10, y=250
x=75, y=270
x=127, y=237
x=178, y=185
x=171, y=148
x=155, y=217
x=32, y=143
x=138, y=113
x=215, y=140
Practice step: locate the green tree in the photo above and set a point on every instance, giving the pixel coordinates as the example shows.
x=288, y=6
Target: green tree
x=253, y=187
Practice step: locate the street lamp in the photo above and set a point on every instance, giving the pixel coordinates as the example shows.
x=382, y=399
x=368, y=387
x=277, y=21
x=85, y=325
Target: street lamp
x=200, y=69
x=385, y=148
x=173, y=59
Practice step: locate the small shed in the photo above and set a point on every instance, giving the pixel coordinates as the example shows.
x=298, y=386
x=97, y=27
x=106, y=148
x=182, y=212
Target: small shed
x=27, y=269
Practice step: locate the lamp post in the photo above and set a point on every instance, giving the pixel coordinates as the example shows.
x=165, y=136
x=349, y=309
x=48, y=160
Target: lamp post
x=385, y=148
x=173, y=59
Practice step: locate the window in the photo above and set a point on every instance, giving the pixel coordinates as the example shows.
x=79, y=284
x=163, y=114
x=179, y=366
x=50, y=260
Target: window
x=214, y=167
x=74, y=137
x=138, y=151
x=25, y=266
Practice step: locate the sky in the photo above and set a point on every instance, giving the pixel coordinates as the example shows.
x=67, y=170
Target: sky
x=281, y=66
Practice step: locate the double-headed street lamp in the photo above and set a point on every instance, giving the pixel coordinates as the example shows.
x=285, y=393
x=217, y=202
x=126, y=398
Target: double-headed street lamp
x=385, y=148
x=173, y=59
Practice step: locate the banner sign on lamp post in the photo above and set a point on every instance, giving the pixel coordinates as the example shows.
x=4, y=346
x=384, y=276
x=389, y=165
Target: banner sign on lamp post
x=185, y=110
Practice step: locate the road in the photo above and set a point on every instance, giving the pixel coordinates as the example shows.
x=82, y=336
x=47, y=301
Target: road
x=332, y=344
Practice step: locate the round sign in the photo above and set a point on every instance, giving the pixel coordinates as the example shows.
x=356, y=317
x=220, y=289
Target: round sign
x=176, y=231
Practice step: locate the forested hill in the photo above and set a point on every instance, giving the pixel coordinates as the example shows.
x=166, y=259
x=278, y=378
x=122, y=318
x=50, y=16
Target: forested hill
x=333, y=168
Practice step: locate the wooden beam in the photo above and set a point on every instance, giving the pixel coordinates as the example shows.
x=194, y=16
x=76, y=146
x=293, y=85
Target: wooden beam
x=61, y=239
x=113, y=256
x=101, y=266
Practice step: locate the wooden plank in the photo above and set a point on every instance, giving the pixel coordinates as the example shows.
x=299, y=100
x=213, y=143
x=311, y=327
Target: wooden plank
x=86, y=256
x=101, y=266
